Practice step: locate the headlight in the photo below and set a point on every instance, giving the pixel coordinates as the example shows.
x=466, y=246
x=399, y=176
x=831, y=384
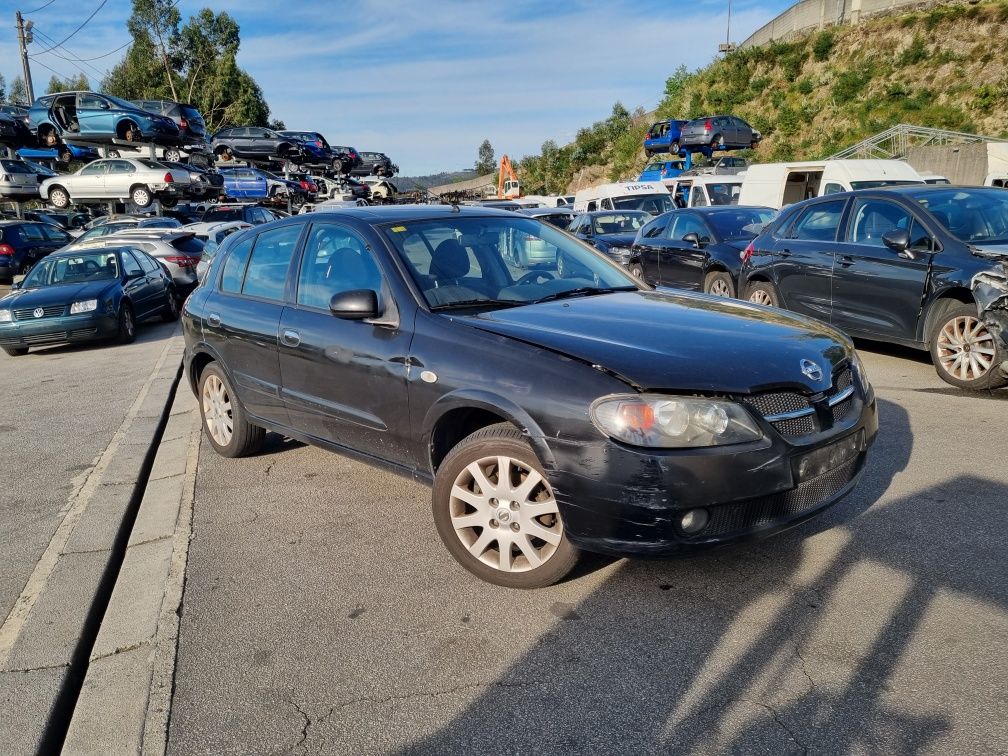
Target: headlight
x=673, y=422
x=5, y=316
x=620, y=253
x=87, y=305
x=861, y=373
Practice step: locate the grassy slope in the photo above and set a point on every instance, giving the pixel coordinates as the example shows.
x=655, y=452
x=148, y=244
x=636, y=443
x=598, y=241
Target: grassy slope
x=811, y=97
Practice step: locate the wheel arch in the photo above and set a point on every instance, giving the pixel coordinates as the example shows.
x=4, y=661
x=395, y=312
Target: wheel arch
x=937, y=304
x=456, y=415
x=120, y=127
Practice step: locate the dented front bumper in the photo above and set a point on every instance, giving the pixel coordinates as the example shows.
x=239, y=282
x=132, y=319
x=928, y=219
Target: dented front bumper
x=990, y=290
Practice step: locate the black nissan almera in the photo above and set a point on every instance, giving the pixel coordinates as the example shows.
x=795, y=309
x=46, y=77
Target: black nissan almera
x=553, y=413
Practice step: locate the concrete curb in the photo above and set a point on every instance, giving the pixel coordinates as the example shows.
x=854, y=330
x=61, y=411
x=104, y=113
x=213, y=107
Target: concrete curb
x=42, y=639
x=125, y=700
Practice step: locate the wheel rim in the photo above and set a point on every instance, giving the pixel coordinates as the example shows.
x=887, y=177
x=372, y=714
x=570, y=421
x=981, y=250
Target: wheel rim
x=507, y=520
x=172, y=305
x=966, y=349
x=761, y=297
x=140, y=197
x=719, y=288
x=128, y=325
x=58, y=198
x=636, y=271
x=217, y=410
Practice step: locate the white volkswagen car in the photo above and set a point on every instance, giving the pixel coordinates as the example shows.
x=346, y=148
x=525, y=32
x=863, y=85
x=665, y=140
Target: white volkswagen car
x=138, y=180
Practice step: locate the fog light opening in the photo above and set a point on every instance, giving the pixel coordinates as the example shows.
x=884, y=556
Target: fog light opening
x=694, y=521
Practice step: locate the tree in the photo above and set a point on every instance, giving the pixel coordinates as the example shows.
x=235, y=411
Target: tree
x=77, y=83
x=158, y=20
x=3, y=89
x=18, y=92
x=485, y=162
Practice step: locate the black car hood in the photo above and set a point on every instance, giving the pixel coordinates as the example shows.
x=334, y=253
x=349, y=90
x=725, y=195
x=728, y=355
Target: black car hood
x=47, y=296
x=678, y=342
x=617, y=240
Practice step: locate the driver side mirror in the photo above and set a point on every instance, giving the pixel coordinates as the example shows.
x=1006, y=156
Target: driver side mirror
x=356, y=304
x=15, y=285
x=898, y=240
x=692, y=239
x=104, y=106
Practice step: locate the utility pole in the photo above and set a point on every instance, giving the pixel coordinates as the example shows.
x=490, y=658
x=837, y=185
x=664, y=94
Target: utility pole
x=24, y=37
x=727, y=47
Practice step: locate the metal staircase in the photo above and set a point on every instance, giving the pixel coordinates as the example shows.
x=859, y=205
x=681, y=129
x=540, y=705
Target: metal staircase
x=895, y=143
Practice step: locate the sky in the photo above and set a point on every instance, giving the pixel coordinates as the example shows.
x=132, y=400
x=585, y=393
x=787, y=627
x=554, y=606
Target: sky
x=425, y=82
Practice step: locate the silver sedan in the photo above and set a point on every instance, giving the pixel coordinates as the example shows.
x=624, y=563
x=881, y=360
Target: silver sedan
x=137, y=180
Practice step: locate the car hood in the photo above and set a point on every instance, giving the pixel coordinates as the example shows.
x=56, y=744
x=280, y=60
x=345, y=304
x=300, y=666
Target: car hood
x=48, y=296
x=617, y=240
x=662, y=340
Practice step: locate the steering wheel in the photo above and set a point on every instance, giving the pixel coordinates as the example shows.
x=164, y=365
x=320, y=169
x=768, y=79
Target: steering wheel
x=533, y=276
x=91, y=267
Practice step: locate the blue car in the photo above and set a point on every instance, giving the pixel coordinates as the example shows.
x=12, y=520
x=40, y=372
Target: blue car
x=85, y=295
x=245, y=183
x=93, y=117
x=664, y=136
x=64, y=153
x=657, y=170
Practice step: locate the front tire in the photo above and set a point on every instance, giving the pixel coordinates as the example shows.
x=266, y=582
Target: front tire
x=16, y=351
x=59, y=198
x=174, y=156
x=763, y=293
x=224, y=422
x=127, y=324
x=637, y=271
x=496, y=513
x=964, y=351
x=719, y=284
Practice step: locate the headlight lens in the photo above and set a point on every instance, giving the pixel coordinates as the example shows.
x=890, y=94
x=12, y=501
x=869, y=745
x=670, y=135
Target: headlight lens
x=87, y=305
x=5, y=316
x=673, y=422
x=861, y=373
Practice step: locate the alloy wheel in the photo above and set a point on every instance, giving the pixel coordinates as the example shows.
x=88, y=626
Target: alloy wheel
x=503, y=511
x=217, y=410
x=966, y=349
x=719, y=288
x=129, y=325
x=760, y=297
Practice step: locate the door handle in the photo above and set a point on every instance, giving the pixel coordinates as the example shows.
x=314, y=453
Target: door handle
x=291, y=338
x=213, y=319
x=846, y=261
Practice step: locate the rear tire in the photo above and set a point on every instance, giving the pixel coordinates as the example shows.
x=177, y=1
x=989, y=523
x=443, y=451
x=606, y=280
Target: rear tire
x=512, y=537
x=964, y=351
x=16, y=351
x=172, y=155
x=224, y=421
x=763, y=293
x=719, y=284
x=127, y=324
x=674, y=148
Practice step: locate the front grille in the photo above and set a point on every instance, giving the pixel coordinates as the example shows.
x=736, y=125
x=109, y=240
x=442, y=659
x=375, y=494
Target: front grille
x=778, y=402
x=80, y=333
x=797, y=426
x=28, y=313
x=841, y=410
x=45, y=338
x=774, y=403
x=753, y=514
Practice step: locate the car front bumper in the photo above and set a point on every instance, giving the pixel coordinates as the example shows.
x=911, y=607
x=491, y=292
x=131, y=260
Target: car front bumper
x=58, y=330
x=625, y=501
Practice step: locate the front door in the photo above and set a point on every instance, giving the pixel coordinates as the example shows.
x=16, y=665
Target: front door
x=877, y=291
x=344, y=381
x=141, y=288
x=803, y=259
x=93, y=115
x=89, y=183
x=242, y=320
x=682, y=262
x=649, y=246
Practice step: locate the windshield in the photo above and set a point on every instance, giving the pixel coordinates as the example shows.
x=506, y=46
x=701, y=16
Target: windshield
x=971, y=215
x=743, y=223
x=656, y=204
x=500, y=261
x=223, y=214
x=80, y=268
x=619, y=223
x=877, y=184
x=122, y=103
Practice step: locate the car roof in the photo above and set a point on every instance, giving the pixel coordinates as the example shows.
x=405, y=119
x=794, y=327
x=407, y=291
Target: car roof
x=537, y=211
x=68, y=251
x=375, y=214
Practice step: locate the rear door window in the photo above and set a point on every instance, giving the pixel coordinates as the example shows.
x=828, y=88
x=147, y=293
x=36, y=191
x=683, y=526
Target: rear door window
x=266, y=276
x=54, y=234
x=32, y=232
x=234, y=266
x=818, y=222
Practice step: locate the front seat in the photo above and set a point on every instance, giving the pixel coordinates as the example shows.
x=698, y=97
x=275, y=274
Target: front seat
x=449, y=263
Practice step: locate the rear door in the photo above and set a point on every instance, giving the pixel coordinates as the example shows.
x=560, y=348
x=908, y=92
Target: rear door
x=803, y=259
x=345, y=380
x=877, y=291
x=682, y=263
x=119, y=178
x=34, y=245
x=242, y=318
x=56, y=237
x=648, y=246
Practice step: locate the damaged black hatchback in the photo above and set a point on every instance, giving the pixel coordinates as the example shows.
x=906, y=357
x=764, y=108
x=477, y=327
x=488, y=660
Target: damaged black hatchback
x=553, y=408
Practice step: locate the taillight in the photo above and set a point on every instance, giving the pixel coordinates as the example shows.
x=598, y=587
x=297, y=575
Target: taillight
x=184, y=261
x=6, y=249
x=747, y=252
x=708, y=125
x=168, y=178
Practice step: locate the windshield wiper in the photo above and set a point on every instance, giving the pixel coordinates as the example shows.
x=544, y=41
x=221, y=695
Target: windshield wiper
x=463, y=303
x=583, y=291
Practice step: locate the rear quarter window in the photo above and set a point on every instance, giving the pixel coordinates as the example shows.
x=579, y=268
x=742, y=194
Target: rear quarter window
x=190, y=245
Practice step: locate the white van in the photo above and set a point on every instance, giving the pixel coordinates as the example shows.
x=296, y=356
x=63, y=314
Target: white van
x=705, y=190
x=997, y=179
x=780, y=184
x=650, y=196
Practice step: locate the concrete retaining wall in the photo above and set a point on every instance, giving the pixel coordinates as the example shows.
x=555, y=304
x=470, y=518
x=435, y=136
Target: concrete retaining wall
x=809, y=15
x=961, y=164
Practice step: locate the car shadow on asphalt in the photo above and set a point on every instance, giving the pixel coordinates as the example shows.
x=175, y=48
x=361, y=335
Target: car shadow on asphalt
x=147, y=331
x=921, y=356
x=791, y=645
x=275, y=443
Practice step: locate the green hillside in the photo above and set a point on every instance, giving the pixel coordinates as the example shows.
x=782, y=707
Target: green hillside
x=811, y=97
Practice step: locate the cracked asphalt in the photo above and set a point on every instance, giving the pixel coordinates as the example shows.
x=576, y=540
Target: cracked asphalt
x=322, y=615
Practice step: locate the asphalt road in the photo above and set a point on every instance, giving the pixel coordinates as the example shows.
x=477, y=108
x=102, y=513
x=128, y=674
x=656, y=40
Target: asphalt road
x=321, y=614
x=59, y=408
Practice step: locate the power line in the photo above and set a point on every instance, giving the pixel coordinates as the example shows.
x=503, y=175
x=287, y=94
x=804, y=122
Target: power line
x=41, y=7
x=65, y=78
x=86, y=20
x=73, y=57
